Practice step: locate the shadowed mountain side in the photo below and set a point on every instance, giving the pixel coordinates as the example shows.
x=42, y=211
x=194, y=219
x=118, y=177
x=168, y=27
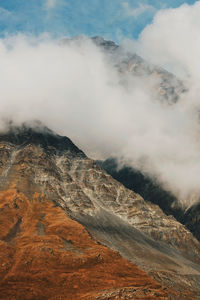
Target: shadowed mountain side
x=151, y=191
x=142, y=184
x=191, y=219
x=38, y=134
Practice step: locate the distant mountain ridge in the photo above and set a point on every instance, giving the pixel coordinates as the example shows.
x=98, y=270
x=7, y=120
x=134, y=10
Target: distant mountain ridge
x=169, y=87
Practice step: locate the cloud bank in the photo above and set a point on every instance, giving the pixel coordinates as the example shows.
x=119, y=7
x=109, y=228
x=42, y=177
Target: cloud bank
x=173, y=40
x=73, y=89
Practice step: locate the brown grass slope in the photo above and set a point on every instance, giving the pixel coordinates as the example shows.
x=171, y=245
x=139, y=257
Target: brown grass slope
x=46, y=255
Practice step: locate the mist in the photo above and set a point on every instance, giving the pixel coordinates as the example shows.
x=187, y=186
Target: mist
x=73, y=89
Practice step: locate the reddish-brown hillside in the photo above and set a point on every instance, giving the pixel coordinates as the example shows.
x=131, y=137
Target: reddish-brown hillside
x=46, y=255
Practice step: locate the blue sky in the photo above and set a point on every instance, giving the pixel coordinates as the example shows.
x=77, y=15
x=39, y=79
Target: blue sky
x=112, y=19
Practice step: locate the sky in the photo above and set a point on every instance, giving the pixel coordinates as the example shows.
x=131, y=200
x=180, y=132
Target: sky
x=112, y=19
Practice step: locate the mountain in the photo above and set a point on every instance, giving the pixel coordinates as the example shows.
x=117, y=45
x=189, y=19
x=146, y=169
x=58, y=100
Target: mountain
x=191, y=219
x=151, y=191
x=68, y=230
x=148, y=187
x=44, y=253
x=168, y=88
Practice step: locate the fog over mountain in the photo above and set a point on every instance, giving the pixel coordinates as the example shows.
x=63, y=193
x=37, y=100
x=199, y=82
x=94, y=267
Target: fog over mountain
x=109, y=106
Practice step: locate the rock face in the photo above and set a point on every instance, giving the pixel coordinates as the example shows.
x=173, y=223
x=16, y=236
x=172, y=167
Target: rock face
x=191, y=219
x=169, y=87
x=144, y=185
x=55, y=202
x=153, y=192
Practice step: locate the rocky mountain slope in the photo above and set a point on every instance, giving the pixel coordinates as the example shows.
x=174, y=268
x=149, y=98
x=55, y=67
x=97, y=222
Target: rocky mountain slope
x=168, y=87
x=191, y=219
x=151, y=191
x=144, y=185
x=64, y=223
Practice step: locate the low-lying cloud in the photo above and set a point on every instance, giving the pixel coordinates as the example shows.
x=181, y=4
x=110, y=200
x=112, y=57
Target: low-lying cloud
x=172, y=41
x=74, y=90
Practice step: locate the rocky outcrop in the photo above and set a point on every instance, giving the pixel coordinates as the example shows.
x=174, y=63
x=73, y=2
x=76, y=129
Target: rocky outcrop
x=152, y=191
x=147, y=187
x=168, y=88
x=47, y=189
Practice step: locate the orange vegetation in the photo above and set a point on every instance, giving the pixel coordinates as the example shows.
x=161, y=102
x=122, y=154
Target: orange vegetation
x=46, y=255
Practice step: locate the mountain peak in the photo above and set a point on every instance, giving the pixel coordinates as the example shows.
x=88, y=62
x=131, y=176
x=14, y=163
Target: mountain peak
x=99, y=41
x=107, y=44
x=38, y=134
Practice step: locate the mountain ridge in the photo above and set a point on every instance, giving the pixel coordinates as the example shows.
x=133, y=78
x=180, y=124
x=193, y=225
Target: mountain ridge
x=38, y=134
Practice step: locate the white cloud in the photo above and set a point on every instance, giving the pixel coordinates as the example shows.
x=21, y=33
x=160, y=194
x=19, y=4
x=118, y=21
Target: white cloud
x=139, y=10
x=74, y=90
x=4, y=14
x=50, y=4
x=173, y=40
